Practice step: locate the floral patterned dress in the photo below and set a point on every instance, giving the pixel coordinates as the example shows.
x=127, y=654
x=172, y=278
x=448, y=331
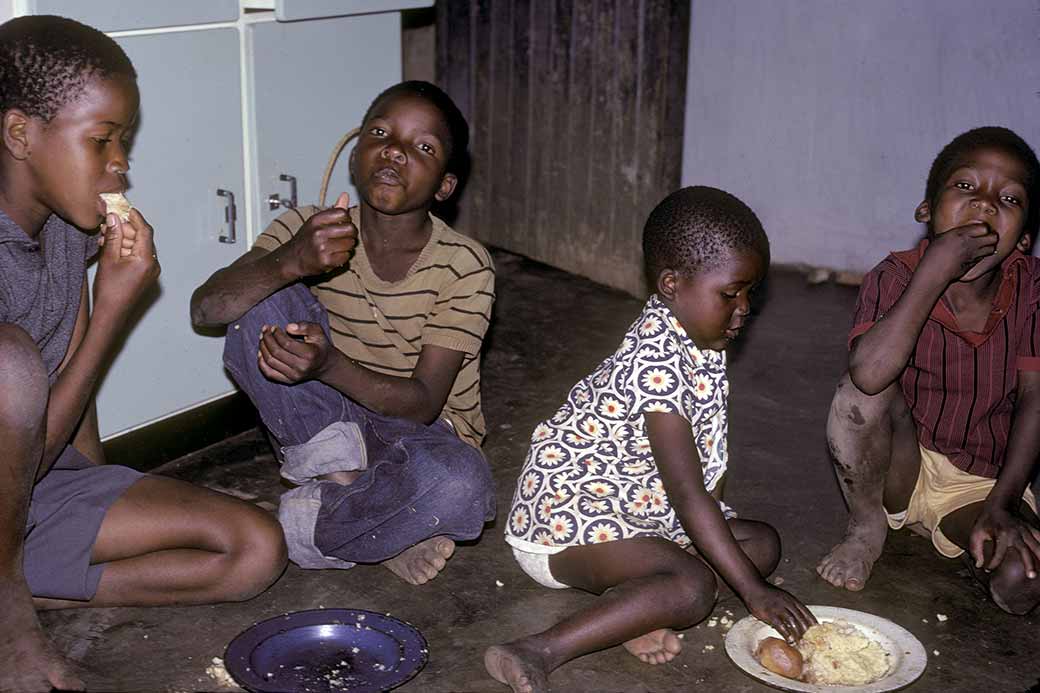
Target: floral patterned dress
x=590, y=475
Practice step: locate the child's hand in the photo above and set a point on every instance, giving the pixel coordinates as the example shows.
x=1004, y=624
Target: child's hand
x=781, y=610
x=125, y=268
x=1004, y=532
x=129, y=232
x=324, y=243
x=952, y=254
x=297, y=353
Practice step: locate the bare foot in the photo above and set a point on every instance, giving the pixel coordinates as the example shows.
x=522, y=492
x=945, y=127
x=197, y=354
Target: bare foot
x=30, y=662
x=518, y=668
x=848, y=565
x=657, y=647
x=422, y=562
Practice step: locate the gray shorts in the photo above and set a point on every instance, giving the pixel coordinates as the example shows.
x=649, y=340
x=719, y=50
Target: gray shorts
x=65, y=514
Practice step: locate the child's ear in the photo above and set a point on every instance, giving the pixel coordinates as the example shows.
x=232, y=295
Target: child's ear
x=666, y=283
x=923, y=213
x=1024, y=244
x=351, y=161
x=16, y=127
x=448, y=183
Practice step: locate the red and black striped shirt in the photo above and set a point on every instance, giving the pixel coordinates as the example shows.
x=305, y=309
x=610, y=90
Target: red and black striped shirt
x=960, y=385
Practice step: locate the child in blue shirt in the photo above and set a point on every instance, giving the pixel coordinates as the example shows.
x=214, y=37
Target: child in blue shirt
x=73, y=530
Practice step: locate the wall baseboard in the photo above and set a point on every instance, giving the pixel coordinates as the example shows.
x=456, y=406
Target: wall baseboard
x=151, y=446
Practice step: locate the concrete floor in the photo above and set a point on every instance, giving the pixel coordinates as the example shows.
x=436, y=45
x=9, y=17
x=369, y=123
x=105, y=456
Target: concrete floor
x=550, y=329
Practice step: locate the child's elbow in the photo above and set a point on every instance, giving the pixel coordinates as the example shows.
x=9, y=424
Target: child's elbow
x=200, y=313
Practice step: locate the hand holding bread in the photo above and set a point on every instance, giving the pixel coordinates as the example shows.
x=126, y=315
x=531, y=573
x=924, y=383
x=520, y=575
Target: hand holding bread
x=117, y=204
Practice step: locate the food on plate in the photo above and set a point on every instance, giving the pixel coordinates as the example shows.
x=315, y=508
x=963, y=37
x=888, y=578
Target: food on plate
x=116, y=203
x=833, y=653
x=779, y=657
x=838, y=653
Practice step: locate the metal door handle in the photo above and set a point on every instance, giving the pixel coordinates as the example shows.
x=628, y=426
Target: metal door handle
x=230, y=214
x=274, y=201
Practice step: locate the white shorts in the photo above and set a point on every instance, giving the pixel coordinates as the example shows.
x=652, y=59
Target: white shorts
x=536, y=565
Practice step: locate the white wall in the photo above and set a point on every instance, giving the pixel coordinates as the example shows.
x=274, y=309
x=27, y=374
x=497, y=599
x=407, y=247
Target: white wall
x=824, y=115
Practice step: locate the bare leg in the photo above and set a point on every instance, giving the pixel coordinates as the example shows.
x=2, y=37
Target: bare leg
x=873, y=444
x=29, y=660
x=1008, y=585
x=169, y=542
x=648, y=584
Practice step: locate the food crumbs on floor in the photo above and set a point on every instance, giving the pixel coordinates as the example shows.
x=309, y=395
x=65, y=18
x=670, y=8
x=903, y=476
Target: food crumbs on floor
x=709, y=648
x=499, y=583
x=941, y=617
x=935, y=652
x=712, y=622
x=218, y=673
x=924, y=620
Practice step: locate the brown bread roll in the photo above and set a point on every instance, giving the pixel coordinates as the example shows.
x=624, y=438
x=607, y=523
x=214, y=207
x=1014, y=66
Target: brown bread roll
x=779, y=657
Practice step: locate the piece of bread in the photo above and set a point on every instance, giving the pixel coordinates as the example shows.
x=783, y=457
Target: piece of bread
x=116, y=203
x=780, y=658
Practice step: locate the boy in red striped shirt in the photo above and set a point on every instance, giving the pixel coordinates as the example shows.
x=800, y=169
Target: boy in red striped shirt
x=936, y=425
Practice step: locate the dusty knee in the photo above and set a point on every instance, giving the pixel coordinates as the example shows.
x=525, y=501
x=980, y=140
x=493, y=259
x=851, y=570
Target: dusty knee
x=23, y=375
x=1012, y=590
x=855, y=414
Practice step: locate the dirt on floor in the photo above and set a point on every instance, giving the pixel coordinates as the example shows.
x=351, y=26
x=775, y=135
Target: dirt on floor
x=550, y=329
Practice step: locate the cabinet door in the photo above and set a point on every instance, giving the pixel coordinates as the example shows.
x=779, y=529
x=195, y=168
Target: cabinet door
x=120, y=15
x=288, y=10
x=313, y=82
x=188, y=144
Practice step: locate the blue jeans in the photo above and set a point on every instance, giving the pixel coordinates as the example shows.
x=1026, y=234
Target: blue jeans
x=419, y=481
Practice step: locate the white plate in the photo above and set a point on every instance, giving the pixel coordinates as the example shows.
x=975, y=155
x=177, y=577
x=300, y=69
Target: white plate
x=907, y=653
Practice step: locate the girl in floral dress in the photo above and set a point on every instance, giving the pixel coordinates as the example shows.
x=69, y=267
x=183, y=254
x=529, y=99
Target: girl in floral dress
x=620, y=491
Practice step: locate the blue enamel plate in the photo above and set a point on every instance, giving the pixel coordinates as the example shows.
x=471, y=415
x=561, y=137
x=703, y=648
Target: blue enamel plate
x=324, y=651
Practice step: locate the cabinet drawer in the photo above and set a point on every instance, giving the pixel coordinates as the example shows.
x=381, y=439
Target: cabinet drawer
x=120, y=15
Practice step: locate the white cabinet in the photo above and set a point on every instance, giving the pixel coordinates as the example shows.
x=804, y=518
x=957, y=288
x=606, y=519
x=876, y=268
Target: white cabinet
x=188, y=146
x=302, y=108
x=229, y=101
x=120, y=15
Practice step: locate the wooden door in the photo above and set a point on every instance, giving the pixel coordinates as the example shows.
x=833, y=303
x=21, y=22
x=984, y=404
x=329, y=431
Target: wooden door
x=576, y=118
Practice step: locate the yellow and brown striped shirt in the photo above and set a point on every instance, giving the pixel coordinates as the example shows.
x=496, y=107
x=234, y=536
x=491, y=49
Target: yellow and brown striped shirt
x=444, y=300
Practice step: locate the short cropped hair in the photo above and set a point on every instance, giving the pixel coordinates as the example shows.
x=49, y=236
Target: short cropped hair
x=458, y=128
x=47, y=61
x=989, y=137
x=694, y=229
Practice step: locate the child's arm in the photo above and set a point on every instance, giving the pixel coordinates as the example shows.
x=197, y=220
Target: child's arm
x=881, y=353
x=119, y=284
x=999, y=522
x=325, y=242
x=679, y=463
x=420, y=397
